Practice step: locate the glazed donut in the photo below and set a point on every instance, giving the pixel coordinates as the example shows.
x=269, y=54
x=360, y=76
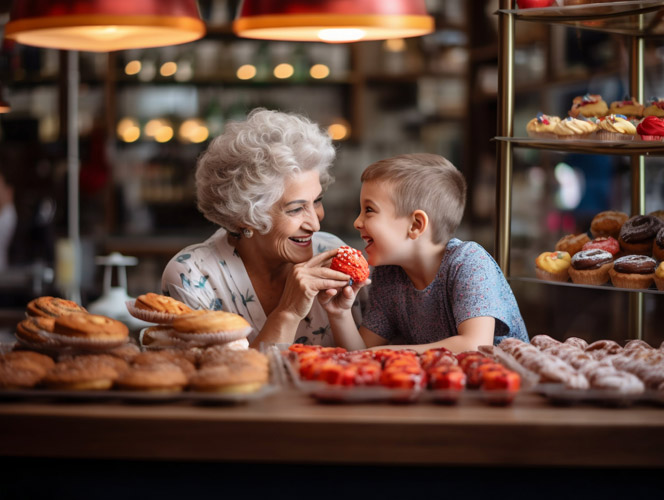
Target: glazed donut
x=658, y=245
x=633, y=344
x=576, y=342
x=606, y=243
x=608, y=378
x=544, y=342
x=572, y=243
x=603, y=348
x=607, y=223
x=638, y=232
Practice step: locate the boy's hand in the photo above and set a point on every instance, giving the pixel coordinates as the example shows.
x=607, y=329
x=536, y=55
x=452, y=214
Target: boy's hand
x=336, y=301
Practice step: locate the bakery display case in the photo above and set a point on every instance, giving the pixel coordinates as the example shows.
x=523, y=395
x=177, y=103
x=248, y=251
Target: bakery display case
x=637, y=21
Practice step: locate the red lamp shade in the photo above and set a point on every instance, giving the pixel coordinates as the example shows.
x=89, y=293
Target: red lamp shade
x=332, y=21
x=104, y=25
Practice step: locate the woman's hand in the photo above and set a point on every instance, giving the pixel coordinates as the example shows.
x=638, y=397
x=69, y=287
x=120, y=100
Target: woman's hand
x=336, y=301
x=306, y=280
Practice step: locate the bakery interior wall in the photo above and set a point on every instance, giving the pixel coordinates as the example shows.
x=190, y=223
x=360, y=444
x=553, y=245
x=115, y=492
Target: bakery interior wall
x=143, y=122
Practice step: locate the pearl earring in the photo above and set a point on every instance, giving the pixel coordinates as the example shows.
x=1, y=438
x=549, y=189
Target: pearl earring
x=248, y=233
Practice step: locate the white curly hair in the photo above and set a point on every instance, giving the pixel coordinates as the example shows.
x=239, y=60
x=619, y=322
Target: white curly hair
x=241, y=175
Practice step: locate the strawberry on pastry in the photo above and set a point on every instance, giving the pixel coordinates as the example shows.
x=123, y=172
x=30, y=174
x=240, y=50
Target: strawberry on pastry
x=350, y=261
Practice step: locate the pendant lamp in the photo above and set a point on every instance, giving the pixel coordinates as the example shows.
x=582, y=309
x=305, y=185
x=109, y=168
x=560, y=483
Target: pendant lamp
x=332, y=21
x=104, y=25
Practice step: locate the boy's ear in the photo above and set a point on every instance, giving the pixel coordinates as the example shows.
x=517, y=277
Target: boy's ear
x=419, y=221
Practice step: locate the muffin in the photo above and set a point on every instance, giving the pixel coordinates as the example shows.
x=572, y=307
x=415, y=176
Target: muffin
x=588, y=105
x=651, y=128
x=591, y=267
x=631, y=108
x=659, y=277
x=615, y=128
x=553, y=266
x=572, y=243
x=608, y=223
x=633, y=271
x=638, y=233
x=655, y=108
x=542, y=126
x=573, y=129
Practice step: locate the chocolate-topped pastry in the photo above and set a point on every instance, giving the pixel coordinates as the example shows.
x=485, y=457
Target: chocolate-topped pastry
x=591, y=267
x=638, y=232
x=633, y=271
x=658, y=245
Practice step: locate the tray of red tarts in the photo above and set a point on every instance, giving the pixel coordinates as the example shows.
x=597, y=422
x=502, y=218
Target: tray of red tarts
x=439, y=375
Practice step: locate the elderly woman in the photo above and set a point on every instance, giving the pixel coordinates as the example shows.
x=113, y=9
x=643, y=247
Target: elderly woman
x=262, y=181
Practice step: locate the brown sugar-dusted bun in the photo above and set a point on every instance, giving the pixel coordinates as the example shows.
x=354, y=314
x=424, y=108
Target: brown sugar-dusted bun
x=210, y=322
x=91, y=327
x=607, y=223
x=637, y=234
x=173, y=356
x=81, y=374
x=159, y=377
x=126, y=352
x=227, y=379
x=161, y=303
x=591, y=267
x=52, y=307
x=633, y=271
x=658, y=245
x=28, y=360
x=572, y=243
x=30, y=329
x=16, y=374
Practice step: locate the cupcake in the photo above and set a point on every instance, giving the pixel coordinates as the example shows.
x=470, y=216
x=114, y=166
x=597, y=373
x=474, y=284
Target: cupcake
x=607, y=223
x=658, y=245
x=606, y=243
x=651, y=128
x=659, y=277
x=542, y=126
x=657, y=213
x=615, y=128
x=629, y=108
x=655, y=108
x=637, y=234
x=633, y=271
x=591, y=267
x=572, y=243
x=553, y=266
x=588, y=105
x=574, y=128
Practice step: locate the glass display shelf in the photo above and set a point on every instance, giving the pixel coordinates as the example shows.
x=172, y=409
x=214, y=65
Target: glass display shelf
x=638, y=18
x=608, y=286
x=589, y=146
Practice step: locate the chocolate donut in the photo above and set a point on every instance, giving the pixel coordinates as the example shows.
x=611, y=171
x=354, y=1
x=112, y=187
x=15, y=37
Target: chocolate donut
x=658, y=245
x=635, y=264
x=591, y=259
x=639, y=228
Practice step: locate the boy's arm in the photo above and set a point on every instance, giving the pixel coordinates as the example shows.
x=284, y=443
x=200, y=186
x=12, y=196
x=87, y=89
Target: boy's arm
x=472, y=333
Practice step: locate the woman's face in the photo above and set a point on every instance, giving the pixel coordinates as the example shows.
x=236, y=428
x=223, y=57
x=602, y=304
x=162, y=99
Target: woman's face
x=295, y=218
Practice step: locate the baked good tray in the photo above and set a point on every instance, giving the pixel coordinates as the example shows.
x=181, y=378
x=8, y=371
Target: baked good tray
x=328, y=393
x=558, y=394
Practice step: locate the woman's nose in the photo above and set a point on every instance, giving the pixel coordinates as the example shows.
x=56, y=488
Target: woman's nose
x=313, y=219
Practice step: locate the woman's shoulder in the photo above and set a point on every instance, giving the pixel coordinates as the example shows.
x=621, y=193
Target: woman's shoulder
x=215, y=246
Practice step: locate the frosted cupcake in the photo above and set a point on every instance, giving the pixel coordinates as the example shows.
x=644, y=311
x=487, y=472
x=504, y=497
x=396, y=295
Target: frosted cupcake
x=615, y=128
x=655, y=108
x=542, y=126
x=630, y=108
x=573, y=128
x=588, y=105
x=651, y=128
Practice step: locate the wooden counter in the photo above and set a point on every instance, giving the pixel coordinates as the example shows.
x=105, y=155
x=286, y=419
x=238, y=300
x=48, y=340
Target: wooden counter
x=288, y=427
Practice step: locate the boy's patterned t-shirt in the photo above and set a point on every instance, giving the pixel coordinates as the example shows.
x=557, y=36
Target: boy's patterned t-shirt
x=211, y=275
x=469, y=284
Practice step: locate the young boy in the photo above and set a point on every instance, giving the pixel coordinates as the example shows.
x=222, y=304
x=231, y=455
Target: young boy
x=428, y=289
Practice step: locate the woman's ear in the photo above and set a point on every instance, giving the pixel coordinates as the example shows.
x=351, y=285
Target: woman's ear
x=419, y=222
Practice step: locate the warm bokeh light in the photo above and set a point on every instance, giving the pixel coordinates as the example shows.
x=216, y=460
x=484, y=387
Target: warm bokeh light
x=246, y=72
x=133, y=67
x=169, y=68
x=395, y=45
x=341, y=34
x=339, y=130
x=283, y=70
x=193, y=130
x=153, y=126
x=128, y=130
x=319, y=71
x=164, y=134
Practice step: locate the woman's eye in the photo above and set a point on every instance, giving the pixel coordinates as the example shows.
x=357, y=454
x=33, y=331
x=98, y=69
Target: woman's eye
x=318, y=201
x=294, y=211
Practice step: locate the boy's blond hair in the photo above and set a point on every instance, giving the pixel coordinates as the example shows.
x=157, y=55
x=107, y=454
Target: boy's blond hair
x=426, y=182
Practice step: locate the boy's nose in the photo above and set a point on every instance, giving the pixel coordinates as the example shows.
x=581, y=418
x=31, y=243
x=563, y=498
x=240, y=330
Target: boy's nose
x=357, y=223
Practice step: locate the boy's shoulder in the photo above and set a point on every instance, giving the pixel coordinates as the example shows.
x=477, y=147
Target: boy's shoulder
x=457, y=249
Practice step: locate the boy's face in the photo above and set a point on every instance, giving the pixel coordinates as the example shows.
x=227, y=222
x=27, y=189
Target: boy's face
x=382, y=230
